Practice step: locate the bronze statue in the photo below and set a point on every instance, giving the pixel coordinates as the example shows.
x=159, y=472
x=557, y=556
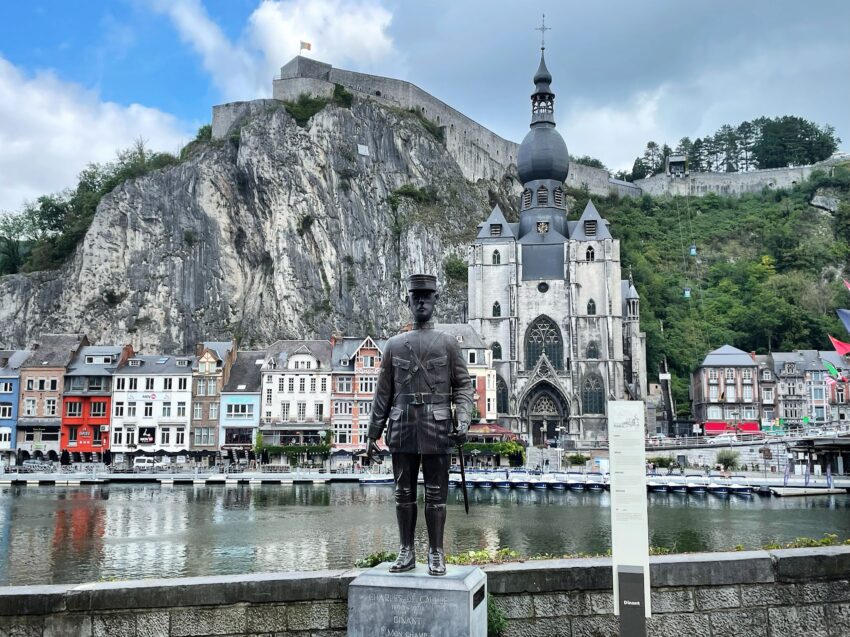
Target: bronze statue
x=422, y=374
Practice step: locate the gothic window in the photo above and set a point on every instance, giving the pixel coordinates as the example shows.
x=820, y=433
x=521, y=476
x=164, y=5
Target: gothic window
x=590, y=255
x=526, y=198
x=544, y=406
x=591, y=307
x=593, y=349
x=497, y=258
x=559, y=197
x=542, y=196
x=497, y=309
x=502, y=401
x=497, y=351
x=593, y=395
x=544, y=337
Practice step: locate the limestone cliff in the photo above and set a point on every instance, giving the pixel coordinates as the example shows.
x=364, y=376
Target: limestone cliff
x=278, y=231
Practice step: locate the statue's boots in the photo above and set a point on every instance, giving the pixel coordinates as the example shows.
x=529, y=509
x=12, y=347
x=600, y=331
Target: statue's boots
x=406, y=516
x=435, y=518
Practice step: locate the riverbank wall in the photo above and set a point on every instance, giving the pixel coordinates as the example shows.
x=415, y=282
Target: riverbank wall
x=752, y=593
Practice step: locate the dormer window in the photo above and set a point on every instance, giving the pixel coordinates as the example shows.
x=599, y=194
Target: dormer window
x=135, y=362
x=345, y=362
x=590, y=228
x=526, y=198
x=542, y=196
x=182, y=362
x=459, y=338
x=495, y=229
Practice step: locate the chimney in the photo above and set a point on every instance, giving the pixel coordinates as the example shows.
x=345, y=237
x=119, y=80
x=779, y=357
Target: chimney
x=753, y=356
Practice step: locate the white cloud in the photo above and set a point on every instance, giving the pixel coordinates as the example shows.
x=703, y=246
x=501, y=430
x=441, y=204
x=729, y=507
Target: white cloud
x=350, y=33
x=50, y=130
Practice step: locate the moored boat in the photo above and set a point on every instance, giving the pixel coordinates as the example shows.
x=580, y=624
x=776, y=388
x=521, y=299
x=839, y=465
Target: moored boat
x=576, y=481
x=559, y=481
x=677, y=486
x=696, y=484
x=520, y=480
x=540, y=482
x=718, y=485
x=376, y=478
x=740, y=486
x=655, y=484
x=595, y=481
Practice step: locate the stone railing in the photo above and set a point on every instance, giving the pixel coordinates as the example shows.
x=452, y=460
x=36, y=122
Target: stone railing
x=754, y=594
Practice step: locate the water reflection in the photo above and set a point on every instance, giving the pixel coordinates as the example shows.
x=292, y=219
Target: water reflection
x=50, y=534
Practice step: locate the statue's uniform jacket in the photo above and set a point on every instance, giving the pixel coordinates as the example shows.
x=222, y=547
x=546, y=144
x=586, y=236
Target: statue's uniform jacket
x=422, y=373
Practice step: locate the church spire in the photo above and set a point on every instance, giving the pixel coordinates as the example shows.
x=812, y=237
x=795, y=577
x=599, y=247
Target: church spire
x=543, y=99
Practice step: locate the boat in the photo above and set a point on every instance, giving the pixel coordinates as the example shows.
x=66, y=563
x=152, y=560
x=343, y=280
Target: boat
x=454, y=480
x=376, y=478
x=740, y=486
x=764, y=490
x=540, y=482
x=677, y=486
x=595, y=481
x=654, y=483
x=502, y=482
x=520, y=480
x=575, y=481
x=696, y=484
x=558, y=481
x=485, y=481
x=718, y=485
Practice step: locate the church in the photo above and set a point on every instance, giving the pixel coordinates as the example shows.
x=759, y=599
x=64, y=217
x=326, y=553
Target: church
x=547, y=296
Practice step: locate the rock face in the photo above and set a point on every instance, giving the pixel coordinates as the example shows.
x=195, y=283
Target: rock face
x=279, y=231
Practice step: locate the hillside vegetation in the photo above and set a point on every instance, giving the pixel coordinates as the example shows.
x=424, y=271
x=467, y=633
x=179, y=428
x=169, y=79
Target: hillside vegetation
x=767, y=275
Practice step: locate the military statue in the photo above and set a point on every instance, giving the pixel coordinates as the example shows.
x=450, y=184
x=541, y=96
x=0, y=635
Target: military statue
x=422, y=374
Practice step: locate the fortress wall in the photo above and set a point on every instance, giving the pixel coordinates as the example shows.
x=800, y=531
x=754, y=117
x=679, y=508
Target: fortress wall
x=226, y=116
x=701, y=184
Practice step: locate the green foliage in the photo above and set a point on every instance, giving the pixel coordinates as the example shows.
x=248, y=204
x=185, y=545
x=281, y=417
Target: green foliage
x=202, y=138
x=513, y=451
x=113, y=298
x=341, y=97
x=258, y=441
x=587, y=160
x=373, y=559
x=728, y=459
x=577, y=459
x=189, y=238
x=662, y=462
x=455, y=269
x=304, y=108
x=828, y=539
x=48, y=230
x=496, y=620
x=419, y=195
x=432, y=127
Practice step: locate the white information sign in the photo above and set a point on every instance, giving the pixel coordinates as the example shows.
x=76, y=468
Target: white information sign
x=629, y=523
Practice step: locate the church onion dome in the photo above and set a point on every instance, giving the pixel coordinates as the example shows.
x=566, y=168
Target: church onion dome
x=543, y=154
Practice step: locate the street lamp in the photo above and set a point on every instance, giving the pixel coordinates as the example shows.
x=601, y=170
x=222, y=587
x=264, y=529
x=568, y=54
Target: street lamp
x=560, y=431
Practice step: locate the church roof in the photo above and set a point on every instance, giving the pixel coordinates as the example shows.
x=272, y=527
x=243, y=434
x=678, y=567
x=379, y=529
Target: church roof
x=542, y=238
x=496, y=217
x=728, y=356
x=578, y=231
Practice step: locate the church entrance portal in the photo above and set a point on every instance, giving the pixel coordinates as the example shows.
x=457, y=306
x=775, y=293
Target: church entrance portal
x=546, y=411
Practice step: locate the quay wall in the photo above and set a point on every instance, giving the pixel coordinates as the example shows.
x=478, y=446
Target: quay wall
x=755, y=593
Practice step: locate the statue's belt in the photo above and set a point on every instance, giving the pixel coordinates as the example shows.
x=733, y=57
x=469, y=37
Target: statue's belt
x=422, y=398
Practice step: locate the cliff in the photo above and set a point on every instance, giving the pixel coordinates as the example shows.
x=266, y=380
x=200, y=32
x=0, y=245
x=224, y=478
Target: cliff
x=277, y=231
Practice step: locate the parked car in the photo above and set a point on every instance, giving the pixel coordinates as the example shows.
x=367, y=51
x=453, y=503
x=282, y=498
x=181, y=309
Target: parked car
x=143, y=463
x=723, y=439
x=36, y=466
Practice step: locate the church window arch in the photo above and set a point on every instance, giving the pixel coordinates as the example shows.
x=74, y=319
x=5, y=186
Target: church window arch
x=591, y=307
x=526, y=198
x=593, y=349
x=497, y=309
x=497, y=351
x=590, y=254
x=497, y=258
x=593, y=395
x=542, y=196
x=502, y=396
x=544, y=337
x=559, y=197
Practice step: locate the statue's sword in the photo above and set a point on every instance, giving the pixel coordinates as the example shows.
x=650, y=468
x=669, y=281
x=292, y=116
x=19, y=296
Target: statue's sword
x=462, y=469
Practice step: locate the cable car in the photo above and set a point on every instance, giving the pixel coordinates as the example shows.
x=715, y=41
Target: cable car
x=686, y=293
x=693, y=251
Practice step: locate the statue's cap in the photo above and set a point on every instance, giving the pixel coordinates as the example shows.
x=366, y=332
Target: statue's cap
x=422, y=282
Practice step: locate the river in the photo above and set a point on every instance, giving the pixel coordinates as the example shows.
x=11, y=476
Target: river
x=116, y=532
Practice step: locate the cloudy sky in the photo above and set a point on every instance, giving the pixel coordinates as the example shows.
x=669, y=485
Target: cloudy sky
x=79, y=80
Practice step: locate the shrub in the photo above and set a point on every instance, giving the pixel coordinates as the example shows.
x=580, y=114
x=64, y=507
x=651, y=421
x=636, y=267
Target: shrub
x=341, y=97
x=304, y=224
x=304, y=108
x=578, y=459
x=189, y=237
x=728, y=459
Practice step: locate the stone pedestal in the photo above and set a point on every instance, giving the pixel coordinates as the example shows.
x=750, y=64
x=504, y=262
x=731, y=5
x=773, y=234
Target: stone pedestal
x=415, y=604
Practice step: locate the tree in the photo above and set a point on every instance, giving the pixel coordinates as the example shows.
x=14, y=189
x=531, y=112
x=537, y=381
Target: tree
x=639, y=169
x=587, y=160
x=746, y=140
x=728, y=459
x=651, y=156
x=12, y=236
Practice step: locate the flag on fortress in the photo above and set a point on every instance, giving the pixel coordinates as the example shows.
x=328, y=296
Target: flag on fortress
x=306, y=46
x=847, y=284
x=844, y=315
x=841, y=347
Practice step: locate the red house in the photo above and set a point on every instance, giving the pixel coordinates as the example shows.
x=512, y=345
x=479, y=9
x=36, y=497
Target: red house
x=87, y=401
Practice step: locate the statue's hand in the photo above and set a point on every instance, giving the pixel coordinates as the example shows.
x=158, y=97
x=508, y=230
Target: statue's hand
x=458, y=436
x=373, y=452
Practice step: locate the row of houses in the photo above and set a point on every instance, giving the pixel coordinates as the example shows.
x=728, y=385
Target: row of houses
x=733, y=390
x=65, y=394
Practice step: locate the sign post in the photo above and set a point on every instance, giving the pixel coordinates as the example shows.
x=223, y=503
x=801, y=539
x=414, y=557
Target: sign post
x=629, y=523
